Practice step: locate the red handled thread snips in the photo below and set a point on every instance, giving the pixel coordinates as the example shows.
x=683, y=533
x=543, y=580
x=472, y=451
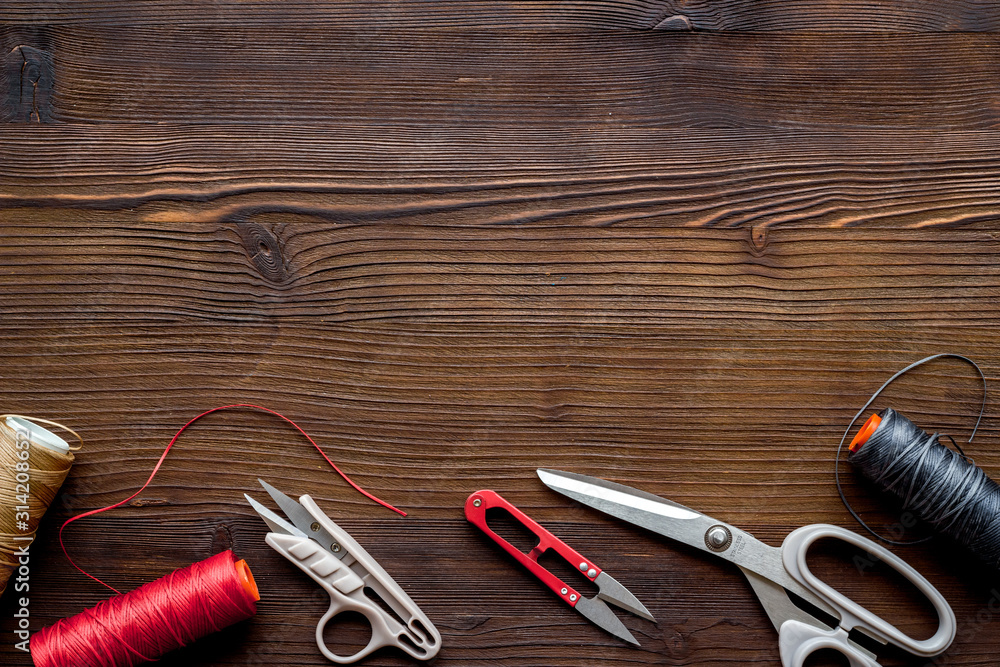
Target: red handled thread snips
x=593, y=609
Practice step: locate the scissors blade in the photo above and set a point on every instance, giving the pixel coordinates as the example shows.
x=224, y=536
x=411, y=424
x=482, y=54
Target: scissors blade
x=680, y=523
x=776, y=603
x=303, y=520
x=273, y=521
x=632, y=505
x=598, y=613
x=780, y=608
x=610, y=590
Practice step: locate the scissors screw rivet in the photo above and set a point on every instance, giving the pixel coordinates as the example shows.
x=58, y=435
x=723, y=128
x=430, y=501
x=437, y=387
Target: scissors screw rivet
x=314, y=527
x=718, y=538
x=592, y=573
x=583, y=567
x=564, y=591
x=335, y=548
x=572, y=598
x=477, y=502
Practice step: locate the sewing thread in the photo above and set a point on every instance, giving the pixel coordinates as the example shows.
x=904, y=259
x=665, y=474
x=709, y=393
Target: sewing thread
x=34, y=463
x=939, y=485
x=163, y=457
x=154, y=619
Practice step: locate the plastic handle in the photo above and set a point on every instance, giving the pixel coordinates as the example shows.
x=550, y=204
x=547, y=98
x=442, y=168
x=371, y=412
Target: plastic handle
x=793, y=555
x=475, y=512
x=343, y=586
x=798, y=640
x=345, y=580
x=385, y=631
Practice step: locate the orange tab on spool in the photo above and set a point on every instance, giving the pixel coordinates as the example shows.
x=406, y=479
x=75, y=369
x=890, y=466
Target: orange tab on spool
x=246, y=579
x=866, y=432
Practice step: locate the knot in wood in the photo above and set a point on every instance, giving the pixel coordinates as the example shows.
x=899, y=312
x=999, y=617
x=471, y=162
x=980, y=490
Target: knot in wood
x=758, y=240
x=222, y=538
x=264, y=251
x=30, y=76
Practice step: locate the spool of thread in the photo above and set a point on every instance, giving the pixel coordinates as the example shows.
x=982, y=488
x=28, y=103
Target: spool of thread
x=152, y=620
x=34, y=463
x=937, y=484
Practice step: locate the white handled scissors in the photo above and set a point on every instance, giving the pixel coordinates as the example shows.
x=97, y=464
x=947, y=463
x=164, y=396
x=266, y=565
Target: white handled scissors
x=328, y=554
x=773, y=572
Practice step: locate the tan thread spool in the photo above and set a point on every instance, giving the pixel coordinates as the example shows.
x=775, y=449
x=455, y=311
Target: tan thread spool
x=49, y=459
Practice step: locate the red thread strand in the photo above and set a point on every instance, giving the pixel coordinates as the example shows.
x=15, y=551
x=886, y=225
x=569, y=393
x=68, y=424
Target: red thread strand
x=164, y=456
x=149, y=622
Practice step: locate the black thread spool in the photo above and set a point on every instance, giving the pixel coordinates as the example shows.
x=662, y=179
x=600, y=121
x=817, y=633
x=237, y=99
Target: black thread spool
x=942, y=487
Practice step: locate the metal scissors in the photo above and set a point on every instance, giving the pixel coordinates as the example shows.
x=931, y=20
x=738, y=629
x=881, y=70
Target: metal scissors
x=328, y=554
x=593, y=609
x=773, y=572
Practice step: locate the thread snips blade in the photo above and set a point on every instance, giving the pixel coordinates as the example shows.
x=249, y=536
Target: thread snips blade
x=598, y=613
x=303, y=523
x=613, y=592
x=273, y=521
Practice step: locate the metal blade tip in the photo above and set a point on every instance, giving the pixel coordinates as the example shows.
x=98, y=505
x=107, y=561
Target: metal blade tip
x=273, y=521
x=613, y=592
x=598, y=613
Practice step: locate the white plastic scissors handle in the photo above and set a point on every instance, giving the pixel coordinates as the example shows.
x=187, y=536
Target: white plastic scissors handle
x=342, y=567
x=798, y=640
x=346, y=590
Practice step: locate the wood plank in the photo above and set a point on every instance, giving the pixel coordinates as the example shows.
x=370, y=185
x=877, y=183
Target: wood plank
x=730, y=15
x=497, y=176
x=546, y=275
x=395, y=78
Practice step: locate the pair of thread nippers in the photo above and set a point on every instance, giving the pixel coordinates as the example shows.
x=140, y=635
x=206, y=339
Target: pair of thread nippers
x=342, y=567
x=594, y=608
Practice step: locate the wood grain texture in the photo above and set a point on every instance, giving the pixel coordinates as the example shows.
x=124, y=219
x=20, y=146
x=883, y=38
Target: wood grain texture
x=489, y=176
x=548, y=276
x=385, y=273
x=730, y=15
x=733, y=408
x=301, y=74
x=457, y=241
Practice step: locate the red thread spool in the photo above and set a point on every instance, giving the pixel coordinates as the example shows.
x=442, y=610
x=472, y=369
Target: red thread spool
x=152, y=620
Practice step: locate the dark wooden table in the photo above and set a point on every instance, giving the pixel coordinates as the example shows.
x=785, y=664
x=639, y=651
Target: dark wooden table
x=457, y=241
